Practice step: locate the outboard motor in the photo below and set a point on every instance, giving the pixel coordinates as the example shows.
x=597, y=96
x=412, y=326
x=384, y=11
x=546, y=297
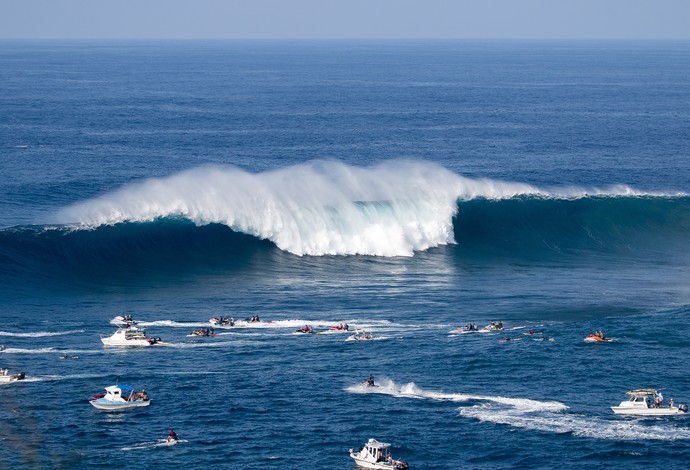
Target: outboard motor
x=683, y=408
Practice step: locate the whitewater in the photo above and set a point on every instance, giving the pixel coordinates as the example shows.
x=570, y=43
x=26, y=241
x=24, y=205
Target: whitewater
x=318, y=208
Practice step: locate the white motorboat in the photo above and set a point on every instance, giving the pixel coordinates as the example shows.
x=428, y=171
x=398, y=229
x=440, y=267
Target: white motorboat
x=647, y=402
x=375, y=454
x=7, y=377
x=131, y=336
x=120, y=397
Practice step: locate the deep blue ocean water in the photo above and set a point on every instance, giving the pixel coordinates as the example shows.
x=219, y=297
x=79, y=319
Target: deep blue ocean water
x=406, y=188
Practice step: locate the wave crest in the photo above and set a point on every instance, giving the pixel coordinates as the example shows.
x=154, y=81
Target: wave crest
x=317, y=208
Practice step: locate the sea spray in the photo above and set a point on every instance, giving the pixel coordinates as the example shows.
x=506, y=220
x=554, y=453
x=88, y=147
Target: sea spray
x=317, y=208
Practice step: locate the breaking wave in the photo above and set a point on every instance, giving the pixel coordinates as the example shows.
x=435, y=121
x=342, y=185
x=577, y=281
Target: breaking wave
x=317, y=208
x=220, y=216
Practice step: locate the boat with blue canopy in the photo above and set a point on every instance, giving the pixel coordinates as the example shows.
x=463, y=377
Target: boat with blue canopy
x=120, y=397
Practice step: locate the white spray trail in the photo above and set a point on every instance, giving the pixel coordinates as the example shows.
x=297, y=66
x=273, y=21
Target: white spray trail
x=317, y=208
x=525, y=413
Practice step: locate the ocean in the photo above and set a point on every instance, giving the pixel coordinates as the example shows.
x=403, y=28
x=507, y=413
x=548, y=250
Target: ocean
x=406, y=188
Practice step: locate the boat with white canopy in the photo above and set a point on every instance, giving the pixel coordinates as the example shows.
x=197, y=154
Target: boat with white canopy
x=131, y=336
x=375, y=454
x=647, y=402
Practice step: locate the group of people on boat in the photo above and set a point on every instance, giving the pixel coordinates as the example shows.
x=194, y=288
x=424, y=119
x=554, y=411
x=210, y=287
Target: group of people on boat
x=658, y=401
x=341, y=327
x=252, y=319
x=471, y=327
x=139, y=396
x=224, y=321
x=370, y=381
x=600, y=334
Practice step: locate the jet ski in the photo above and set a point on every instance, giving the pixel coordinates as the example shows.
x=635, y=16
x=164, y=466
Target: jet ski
x=222, y=321
x=597, y=337
x=202, y=332
x=369, y=382
x=306, y=329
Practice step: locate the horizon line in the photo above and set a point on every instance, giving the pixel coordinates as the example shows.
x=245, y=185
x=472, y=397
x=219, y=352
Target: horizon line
x=392, y=38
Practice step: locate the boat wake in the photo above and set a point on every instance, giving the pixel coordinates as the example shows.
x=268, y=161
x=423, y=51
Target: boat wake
x=576, y=424
x=39, y=334
x=375, y=338
x=29, y=351
x=543, y=416
x=152, y=444
x=411, y=390
x=211, y=344
x=377, y=325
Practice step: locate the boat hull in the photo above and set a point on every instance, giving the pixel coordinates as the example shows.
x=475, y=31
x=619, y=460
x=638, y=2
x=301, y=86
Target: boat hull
x=377, y=465
x=109, y=405
x=630, y=411
x=596, y=339
x=125, y=343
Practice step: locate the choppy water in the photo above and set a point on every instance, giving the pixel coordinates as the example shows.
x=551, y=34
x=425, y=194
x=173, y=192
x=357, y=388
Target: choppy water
x=403, y=188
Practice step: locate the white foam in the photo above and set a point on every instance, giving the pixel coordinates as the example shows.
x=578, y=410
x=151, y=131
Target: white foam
x=39, y=334
x=152, y=444
x=411, y=390
x=537, y=415
x=210, y=344
x=577, y=424
x=320, y=207
x=316, y=208
x=172, y=324
x=29, y=351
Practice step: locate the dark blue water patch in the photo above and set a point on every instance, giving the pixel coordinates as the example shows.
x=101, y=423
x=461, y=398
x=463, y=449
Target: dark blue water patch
x=124, y=251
